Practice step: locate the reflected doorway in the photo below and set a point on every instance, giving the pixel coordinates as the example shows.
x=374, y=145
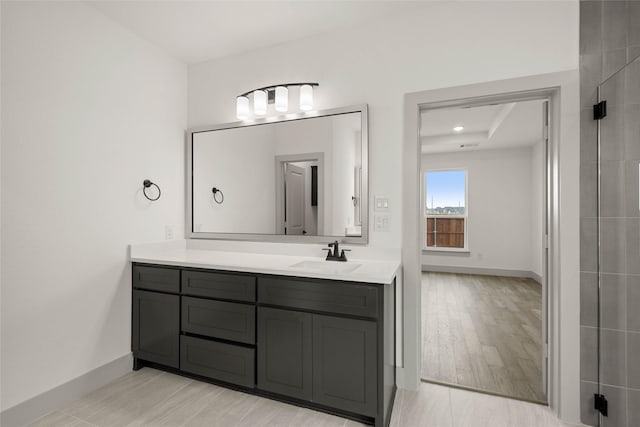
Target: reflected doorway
x=300, y=194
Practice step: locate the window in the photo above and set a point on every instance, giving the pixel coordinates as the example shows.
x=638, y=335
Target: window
x=445, y=209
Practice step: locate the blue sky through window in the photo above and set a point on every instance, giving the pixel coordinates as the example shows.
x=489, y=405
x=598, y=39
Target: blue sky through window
x=445, y=189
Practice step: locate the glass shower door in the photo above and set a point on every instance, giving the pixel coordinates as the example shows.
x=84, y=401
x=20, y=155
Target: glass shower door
x=618, y=262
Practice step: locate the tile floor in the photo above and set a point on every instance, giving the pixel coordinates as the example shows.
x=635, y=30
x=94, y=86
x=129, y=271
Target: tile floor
x=154, y=398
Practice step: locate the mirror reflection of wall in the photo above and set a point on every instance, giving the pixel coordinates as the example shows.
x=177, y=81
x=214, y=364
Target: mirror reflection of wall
x=263, y=199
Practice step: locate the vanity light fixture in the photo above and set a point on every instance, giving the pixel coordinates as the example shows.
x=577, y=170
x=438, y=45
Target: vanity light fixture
x=277, y=95
x=458, y=128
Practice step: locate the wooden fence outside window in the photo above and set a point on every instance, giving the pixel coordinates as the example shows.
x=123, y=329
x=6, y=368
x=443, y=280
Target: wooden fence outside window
x=445, y=232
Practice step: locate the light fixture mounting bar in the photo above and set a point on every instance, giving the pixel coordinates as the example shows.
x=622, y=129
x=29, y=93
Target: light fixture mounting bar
x=273, y=87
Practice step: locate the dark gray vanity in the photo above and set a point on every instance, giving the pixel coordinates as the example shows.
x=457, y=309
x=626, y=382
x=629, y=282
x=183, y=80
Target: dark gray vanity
x=318, y=343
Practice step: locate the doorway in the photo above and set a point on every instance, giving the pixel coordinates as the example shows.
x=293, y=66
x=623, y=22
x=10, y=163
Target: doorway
x=300, y=201
x=484, y=232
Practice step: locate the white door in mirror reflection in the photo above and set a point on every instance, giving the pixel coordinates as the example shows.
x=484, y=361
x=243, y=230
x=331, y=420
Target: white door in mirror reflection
x=294, y=199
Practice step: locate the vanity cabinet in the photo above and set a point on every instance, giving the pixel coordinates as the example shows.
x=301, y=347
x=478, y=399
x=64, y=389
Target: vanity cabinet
x=324, y=344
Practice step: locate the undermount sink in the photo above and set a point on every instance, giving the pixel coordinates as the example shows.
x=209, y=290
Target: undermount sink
x=327, y=266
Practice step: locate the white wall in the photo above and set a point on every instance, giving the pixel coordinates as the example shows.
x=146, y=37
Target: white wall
x=501, y=202
x=89, y=111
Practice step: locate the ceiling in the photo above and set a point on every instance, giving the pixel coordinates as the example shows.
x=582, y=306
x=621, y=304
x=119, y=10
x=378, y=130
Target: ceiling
x=485, y=127
x=196, y=31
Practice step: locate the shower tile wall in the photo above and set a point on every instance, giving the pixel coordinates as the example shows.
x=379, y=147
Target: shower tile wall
x=609, y=40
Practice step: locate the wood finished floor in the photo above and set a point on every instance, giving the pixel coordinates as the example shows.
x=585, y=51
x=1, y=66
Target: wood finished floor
x=483, y=332
x=153, y=398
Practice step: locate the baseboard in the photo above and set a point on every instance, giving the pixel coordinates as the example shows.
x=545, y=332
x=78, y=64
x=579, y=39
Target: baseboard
x=58, y=397
x=482, y=271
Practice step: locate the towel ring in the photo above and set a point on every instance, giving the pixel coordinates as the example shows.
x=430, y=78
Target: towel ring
x=146, y=184
x=215, y=192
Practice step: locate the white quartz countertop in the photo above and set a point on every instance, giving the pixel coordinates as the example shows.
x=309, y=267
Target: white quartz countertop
x=368, y=271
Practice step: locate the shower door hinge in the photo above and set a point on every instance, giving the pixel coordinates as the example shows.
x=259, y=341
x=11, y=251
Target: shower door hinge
x=600, y=110
x=600, y=404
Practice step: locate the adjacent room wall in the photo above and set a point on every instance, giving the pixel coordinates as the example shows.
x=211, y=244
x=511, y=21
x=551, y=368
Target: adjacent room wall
x=89, y=111
x=501, y=202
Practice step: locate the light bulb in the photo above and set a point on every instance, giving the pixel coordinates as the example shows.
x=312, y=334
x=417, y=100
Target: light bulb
x=458, y=128
x=260, y=102
x=242, y=108
x=306, y=97
x=282, y=99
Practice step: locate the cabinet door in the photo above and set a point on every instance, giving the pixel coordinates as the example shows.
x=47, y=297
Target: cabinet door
x=284, y=352
x=344, y=364
x=156, y=327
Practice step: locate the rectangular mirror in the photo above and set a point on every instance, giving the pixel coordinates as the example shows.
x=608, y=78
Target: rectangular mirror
x=301, y=177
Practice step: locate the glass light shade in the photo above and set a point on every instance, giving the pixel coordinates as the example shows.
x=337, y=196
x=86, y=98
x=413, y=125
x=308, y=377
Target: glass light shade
x=242, y=108
x=306, y=97
x=282, y=99
x=260, y=102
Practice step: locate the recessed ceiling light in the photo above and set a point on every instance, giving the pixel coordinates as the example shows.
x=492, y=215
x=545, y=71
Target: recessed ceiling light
x=458, y=128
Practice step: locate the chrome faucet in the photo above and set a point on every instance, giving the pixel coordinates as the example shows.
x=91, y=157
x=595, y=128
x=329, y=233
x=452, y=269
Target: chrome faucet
x=336, y=250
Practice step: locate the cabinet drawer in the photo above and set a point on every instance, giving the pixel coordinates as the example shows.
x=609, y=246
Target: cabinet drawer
x=328, y=296
x=156, y=278
x=218, y=319
x=224, y=362
x=219, y=285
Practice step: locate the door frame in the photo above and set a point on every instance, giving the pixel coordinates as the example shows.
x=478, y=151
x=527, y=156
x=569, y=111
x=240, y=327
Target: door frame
x=563, y=284
x=546, y=204
x=279, y=164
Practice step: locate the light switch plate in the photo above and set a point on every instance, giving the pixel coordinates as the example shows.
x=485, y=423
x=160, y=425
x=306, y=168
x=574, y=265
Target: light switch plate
x=381, y=204
x=381, y=222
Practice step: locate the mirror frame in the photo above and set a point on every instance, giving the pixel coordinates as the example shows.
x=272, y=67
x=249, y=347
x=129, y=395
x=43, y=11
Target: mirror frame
x=364, y=196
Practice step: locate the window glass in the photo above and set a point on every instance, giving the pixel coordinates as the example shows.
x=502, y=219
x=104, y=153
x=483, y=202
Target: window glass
x=445, y=209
